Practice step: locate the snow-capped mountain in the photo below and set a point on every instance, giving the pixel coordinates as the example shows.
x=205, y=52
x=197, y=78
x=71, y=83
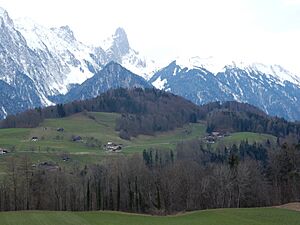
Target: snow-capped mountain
x=20, y=71
x=50, y=61
x=40, y=66
x=65, y=60
x=118, y=50
x=271, y=88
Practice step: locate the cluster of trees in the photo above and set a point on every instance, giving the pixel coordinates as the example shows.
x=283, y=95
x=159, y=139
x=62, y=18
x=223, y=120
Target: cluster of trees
x=240, y=121
x=160, y=182
x=28, y=119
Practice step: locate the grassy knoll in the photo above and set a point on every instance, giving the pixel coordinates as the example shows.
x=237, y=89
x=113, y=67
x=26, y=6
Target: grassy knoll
x=254, y=216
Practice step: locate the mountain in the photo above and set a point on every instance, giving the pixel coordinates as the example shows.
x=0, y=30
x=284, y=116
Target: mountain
x=112, y=76
x=64, y=58
x=271, y=88
x=117, y=49
x=21, y=71
x=41, y=66
x=38, y=63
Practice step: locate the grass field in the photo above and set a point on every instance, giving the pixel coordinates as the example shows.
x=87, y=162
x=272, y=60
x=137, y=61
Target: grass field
x=253, y=216
x=52, y=145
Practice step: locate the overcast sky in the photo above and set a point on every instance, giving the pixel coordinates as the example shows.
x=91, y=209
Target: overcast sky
x=258, y=30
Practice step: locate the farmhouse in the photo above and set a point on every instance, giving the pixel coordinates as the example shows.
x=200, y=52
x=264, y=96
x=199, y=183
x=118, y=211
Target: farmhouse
x=76, y=138
x=60, y=129
x=34, y=139
x=65, y=158
x=210, y=139
x=112, y=147
x=3, y=151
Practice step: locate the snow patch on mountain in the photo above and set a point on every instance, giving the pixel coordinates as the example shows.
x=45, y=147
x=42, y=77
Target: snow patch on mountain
x=276, y=71
x=4, y=111
x=218, y=65
x=159, y=83
x=212, y=64
x=139, y=64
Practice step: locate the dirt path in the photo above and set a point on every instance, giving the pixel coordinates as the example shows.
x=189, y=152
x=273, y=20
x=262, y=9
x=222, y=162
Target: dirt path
x=292, y=206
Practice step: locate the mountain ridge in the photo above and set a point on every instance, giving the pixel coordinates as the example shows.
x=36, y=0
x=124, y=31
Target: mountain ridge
x=201, y=86
x=44, y=66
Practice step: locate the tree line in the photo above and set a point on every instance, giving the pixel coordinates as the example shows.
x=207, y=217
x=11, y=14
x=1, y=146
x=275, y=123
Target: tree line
x=160, y=181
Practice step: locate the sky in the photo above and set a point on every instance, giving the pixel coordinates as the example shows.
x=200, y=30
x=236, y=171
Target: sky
x=265, y=31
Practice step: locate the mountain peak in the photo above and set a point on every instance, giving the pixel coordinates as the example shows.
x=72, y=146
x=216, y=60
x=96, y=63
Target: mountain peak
x=120, y=41
x=112, y=66
x=5, y=17
x=2, y=12
x=120, y=32
x=112, y=63
x=117, y=44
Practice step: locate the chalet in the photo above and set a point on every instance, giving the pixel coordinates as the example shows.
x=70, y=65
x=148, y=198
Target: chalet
x=3, y=151
x=34, y=139
x=76, y=138
x=215, y=134
x=65, y=158
x=210, y=139
x=112, y=147
x=60, y=129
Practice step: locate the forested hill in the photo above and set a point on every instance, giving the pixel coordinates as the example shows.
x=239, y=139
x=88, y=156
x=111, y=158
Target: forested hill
x=145, y=111
x=234, y=116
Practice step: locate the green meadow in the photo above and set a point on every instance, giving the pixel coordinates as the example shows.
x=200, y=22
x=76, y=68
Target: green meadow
x=251, y=216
